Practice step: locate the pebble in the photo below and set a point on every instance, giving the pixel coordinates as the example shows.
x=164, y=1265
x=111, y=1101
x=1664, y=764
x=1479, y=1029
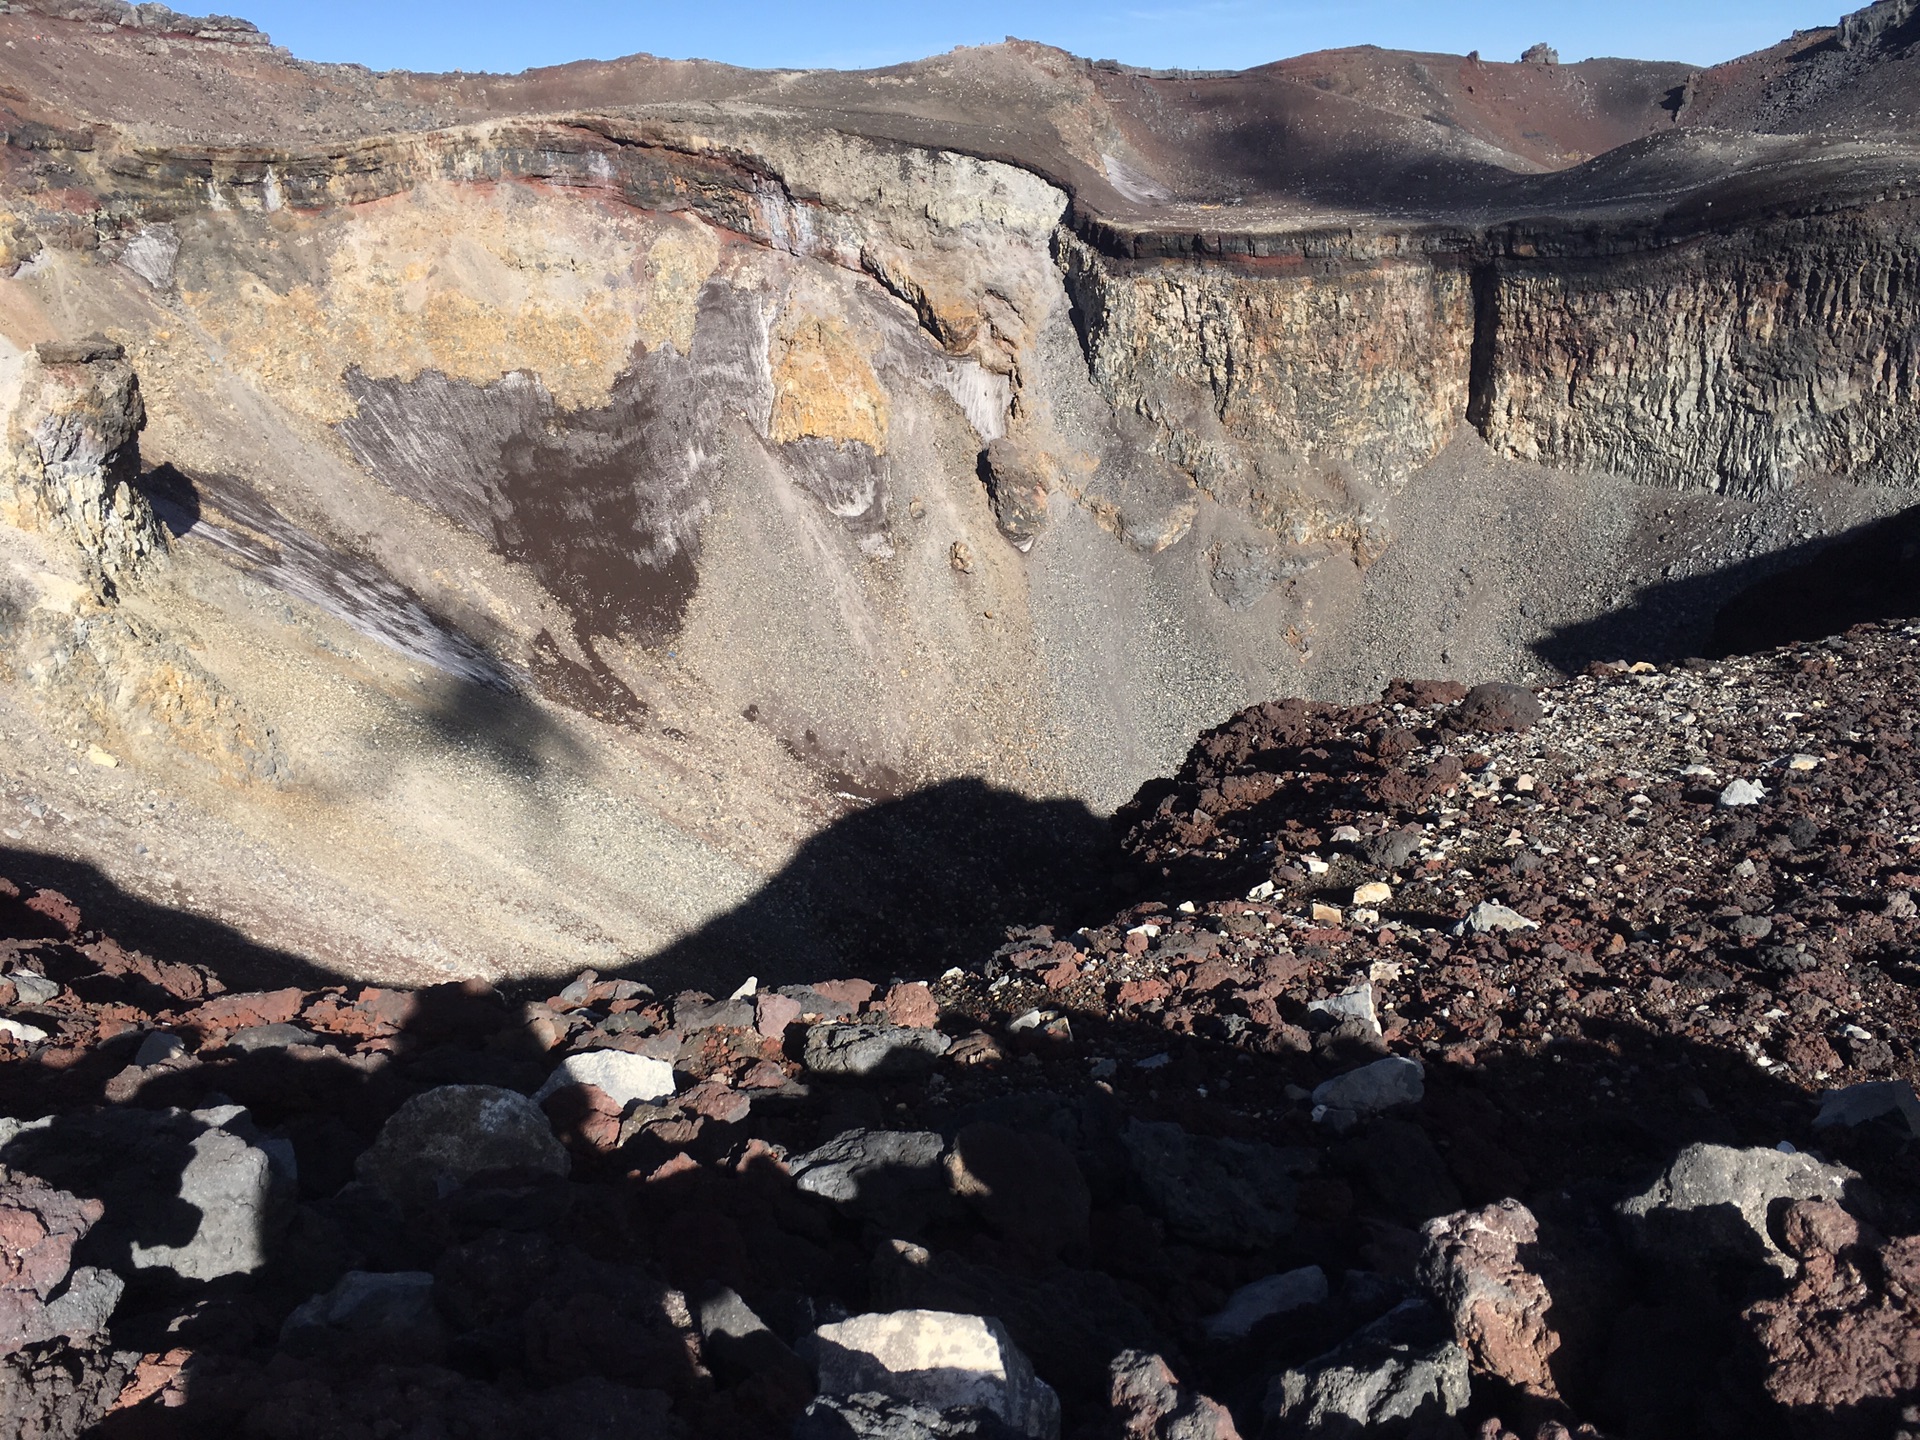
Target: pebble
x=19, y=1029
x=1743, y=792
x=1488, y=916
x=1374, y=892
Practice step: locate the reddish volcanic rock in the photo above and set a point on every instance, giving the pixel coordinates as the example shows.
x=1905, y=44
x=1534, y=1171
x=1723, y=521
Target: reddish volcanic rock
x=1471, y=1266
x=1842, y=1347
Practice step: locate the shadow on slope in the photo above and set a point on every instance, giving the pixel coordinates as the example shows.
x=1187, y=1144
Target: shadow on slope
x=906, y=887
x=1804, y=592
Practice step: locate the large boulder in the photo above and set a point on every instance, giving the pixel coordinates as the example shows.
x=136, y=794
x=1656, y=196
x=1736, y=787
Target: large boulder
x=1231, y=1194
x=41, y=1294
x=1403, y=1368
x=937, y=1359
x=1713, y=1202
x=1471, y=1267
x=198, y=1194
x=442, y=1137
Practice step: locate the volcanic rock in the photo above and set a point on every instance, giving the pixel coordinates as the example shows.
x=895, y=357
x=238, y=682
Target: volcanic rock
x=1472, y=1268
x=1402, y=1369
x=447, y=1135
x=1234, y=1194
x=1150, y=1403
x=1713, y=1204
x=937, y=1359
x=872, y=1049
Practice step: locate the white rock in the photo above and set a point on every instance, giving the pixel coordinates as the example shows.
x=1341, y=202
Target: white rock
x=1803, y=762
x=19, y=1029
x=747, y=989
x=1488, y=916
x=1355, y=1004
x=1743, y=792
x=938, y=1359
x=1346, y=835
x=1275, y=1295
x=1374, y=892
x=622, y=1077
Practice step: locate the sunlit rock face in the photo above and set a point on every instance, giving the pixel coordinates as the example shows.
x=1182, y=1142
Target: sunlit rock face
x=563, y=496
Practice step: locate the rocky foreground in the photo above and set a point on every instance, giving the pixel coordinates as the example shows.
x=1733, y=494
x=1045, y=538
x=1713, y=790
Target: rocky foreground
x=1474, y=1063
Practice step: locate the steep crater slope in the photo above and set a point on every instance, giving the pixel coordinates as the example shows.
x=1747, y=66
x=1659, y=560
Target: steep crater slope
x=562, y=494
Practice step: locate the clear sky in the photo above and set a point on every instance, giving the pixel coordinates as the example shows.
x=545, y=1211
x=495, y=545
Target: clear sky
x=510, y=35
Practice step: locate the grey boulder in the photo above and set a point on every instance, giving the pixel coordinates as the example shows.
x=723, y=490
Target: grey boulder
x=442, y=1137
x=892, y=1177
x=1712, y=1204
x=370, y=1318
x=1404, y=1367
x=1234, y=1194
x=872, y=1048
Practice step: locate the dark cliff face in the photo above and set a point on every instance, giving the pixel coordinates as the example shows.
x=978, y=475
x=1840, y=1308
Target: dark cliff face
x=753, y=445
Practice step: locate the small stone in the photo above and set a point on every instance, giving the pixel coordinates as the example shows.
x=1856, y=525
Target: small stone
x=622, y=1077
x=1324, y=914
x=936, y=1358
x=1803, y=762
x=158, y=1047
x=21, y=1031
x=1354, y=1004
x=1263, y=1299
x=1752, y=927
x=1374, y=892
x=773, y=1012
x=1488, y=916
x=270, y=1037
x=911, y=1005
x=717, y=1101
x=872, y=1048
x=1372, y=1089
x=1742, y=792
x=1498, y=708
x=1345, y=835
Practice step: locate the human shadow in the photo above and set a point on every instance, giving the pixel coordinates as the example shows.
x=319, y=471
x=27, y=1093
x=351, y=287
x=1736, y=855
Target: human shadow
x=906, y=887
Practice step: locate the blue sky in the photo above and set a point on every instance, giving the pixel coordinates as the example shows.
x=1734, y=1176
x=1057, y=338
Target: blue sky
x=1200, y=34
